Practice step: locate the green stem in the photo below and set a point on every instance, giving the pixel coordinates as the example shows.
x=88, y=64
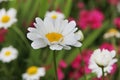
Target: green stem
x=19, y=32
x=55, y=65
x=102, y=73
x=113, y=40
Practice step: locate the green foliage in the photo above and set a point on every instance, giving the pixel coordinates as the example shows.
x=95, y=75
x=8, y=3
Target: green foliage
x=27, y=11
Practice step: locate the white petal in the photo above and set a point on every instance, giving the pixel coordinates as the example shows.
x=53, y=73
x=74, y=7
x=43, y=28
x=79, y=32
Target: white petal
x=113, y=61
x=12, y=12
x=49, y=24
x=67, y=47
x=69, y=39
x=55, y=47
x=38, y=44
x=39, y=22
x=113, y=53
x=32, y=29
x=77, y=44
x=33, y=36
x=69, y=27
x=41, y=71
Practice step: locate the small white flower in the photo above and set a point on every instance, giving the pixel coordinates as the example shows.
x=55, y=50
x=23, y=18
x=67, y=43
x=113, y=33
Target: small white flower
x=58, y=34
x=112, y=33
x=7, y=18
x=102, y=58
x=8, y=54
x=54, y=15
x=34, y=73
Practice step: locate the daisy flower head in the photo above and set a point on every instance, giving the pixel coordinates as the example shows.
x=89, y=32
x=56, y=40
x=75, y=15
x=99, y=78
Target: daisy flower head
x=8, y=54
x=102, y=59
x=34, y=73
x=55, y=15
x=112, y=33
x=7, y=18
x=58, y=35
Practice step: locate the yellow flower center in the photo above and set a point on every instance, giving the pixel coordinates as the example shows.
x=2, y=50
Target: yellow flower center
x=32, y=70
x=54, y=16
x=53, y=37
x=5, y=19
x=114, y=31
x=7, y=53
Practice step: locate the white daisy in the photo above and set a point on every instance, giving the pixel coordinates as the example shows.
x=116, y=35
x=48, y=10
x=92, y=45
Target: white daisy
x=112, y=33
x=8, y=54
x=7, y=18
x=102, y=58
x=34, y=73
x=58, y=34
x=55, y=15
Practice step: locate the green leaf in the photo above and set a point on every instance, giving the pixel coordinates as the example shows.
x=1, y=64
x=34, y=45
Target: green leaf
x=34, y=57
x=88, y=76
x=71, y=55
x=44, y=5
x=94, y=35
x=67, y=8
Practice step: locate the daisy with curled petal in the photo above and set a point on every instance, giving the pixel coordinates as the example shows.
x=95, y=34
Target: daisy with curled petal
x=102, y=59
x=55, y=15
x=59, y=34
x=112, y=33
x=34, y=73
x=8, y=54
x=7, y=18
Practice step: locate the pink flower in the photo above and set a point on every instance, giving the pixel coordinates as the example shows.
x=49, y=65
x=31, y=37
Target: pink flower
x=114, y=68
x=117, y=22
x=76, y=63
x=71, y=19
x=92, y=18
x=85, y=57
x=107, y=46
x=60, y=73
x=2, y=34
x=80, y=5
x=75, y=75
x=95, y=19
x=62, y=64
x=80, y=65
x=83, y=19
x=113, y=2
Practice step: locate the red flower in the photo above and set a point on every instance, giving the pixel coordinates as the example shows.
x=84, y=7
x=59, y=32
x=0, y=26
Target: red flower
x=2, y=35
x=92, y=18
x=117, y=22
x=107, y=46
x=60, y=73
x=113, y=2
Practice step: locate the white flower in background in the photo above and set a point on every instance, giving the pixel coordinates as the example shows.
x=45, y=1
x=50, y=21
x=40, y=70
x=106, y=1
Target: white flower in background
x=102, y=58
x=3, y=0
x=7, y=18
x=34, y=73
x=8, y=54
x=112, y=33
x=58, y=35
x=55, y=15
x=118, y=6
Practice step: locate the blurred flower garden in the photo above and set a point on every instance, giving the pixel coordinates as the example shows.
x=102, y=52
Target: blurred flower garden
x=59, y=39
